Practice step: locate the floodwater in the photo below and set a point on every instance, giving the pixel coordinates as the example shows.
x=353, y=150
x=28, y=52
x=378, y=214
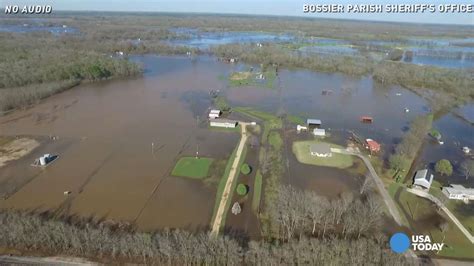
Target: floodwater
x=113, y=171
x=110, y=166
x=456, y=133
x=448, y=53
x=204, y=40
x=55, y=30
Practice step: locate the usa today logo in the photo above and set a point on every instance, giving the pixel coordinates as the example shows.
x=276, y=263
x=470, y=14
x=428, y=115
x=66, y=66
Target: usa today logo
x=400, y=243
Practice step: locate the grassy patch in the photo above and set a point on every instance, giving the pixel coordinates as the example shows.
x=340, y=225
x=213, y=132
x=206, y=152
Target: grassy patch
x=265, y=78
x=295, y=119
x=275, y=140
x=270, y=121
x=192, y=167
x=301, y=150
x=257, y=191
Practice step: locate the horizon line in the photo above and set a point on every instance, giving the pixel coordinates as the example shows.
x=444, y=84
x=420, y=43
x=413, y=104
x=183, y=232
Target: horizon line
x=269, y=15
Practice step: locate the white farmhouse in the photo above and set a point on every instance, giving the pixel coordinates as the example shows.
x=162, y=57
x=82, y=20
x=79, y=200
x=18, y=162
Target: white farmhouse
x=458, y=192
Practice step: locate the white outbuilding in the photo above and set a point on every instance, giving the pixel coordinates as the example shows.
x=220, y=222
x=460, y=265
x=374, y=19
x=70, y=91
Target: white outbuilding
x=422, y=179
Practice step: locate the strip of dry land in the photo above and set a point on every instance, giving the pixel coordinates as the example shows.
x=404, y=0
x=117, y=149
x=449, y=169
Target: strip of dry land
x=233, y=174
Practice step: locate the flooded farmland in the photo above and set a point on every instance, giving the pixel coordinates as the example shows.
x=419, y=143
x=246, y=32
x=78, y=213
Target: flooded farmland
x=104, y=134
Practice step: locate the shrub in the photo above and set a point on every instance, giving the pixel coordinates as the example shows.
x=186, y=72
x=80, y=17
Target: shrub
x=245, y=169
x=444, y=167
x=242, y=189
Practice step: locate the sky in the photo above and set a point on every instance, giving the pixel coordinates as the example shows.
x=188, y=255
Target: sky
x=257, y=7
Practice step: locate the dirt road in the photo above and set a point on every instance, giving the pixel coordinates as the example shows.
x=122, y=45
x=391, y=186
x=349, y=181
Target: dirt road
x=233, y=174
x=392, y=208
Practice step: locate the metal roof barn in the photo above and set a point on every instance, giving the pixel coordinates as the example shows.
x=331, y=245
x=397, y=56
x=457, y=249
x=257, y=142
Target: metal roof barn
x=314, y=122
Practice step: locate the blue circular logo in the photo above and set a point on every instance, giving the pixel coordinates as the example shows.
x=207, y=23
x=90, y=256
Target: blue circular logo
x=399, y=242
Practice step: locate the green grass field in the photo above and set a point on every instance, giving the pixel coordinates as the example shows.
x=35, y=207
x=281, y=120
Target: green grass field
x=270, y=121
x=274, y=139
x=257, y=191
x=247, y=78
x=295, y=119
x=301, y=151
x=192, y=167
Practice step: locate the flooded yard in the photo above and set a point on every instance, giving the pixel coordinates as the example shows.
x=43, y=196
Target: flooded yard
x=119, y=140
x=109, y=165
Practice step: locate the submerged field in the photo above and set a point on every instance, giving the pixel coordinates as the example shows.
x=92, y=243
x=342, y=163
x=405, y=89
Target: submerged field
x=121, y=161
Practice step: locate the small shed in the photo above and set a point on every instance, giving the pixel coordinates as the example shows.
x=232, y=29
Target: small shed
x=320, y=150
x=313, y=122
x=214, y=113
x=319, y=132
x=372, y=145
x=422, y=179
x=300, y=128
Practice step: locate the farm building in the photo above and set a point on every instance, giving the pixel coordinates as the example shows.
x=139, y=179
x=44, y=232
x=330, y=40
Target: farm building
x=372, y=145
x=320, y=150
x=313, y=122
x=214, y=113
x=223, y=123
x=422, y=179
x=366, y=119
x=458, y=192
x=319, y=132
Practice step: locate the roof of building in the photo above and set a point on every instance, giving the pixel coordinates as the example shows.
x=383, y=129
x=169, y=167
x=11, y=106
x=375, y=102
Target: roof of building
x=422, y=178
x=459, y=189
x=373, y=145
x=313, y=121
x=319, y=131
x=222, y=120
x=422, y=174
x=320, y=148
x=215, y=111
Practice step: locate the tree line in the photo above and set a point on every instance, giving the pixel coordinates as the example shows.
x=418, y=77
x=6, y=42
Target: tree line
x=37, y=65
x=113, y=243
x=446, y=87
x=405, y=151
x=298, y=214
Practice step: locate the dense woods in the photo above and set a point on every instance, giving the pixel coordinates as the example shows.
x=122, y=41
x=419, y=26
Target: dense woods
x=37, y=65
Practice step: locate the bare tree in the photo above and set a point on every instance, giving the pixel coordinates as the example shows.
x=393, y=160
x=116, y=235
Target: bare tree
x=366, y=185
x=467, y=168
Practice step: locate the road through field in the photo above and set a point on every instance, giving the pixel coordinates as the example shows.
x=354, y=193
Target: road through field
x=233, y=174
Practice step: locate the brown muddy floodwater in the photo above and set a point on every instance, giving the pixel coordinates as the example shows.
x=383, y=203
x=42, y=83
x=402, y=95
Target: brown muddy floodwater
x=105, y=133
x=107, y=161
